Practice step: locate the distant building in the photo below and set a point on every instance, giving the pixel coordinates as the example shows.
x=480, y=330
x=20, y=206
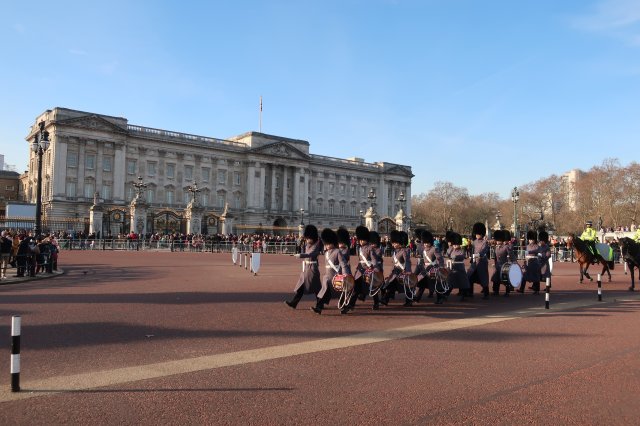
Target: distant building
x=263, y=180
x=9, y=186
x=569, y=180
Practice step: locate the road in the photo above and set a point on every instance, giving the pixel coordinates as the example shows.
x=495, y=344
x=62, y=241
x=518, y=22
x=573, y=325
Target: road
x=167, y=338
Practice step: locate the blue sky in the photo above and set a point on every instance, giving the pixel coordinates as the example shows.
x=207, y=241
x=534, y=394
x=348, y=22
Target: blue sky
x=484, y=94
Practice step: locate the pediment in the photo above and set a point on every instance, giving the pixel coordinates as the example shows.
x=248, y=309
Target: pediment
x=399, y=170
x=281, y=149
x=92, y=122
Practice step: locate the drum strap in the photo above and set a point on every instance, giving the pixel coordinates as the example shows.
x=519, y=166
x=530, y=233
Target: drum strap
x=334, y=267
x=427, y=258
x=364, y=259
x=395, y=262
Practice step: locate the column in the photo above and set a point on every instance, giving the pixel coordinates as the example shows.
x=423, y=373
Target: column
x=59, y=167
x=262, y=202
x=305, y=190
x=251, y=183
x=119, y=172
x=273, y=187
x=296, y=190
x=285, y=192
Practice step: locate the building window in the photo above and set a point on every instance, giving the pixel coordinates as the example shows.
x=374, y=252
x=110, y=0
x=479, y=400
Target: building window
x=151, y=168
x=363, y=191
x=171, y=171
x=319, y=207
x=331, y=204
x=71, y=189
x=169, y=196
x=151, y=195
x=221, y=200
x=107, y=164
x=130, y=193
x=331, y=187
x=106, y=192
x=9, y=188
x=342, y=209
x=204, y=199
x=222, y=177
x=72, y=159
x=131, y=167
x=277, y=182
x=90, y=161
x=188, y=172
x=353, y=210
x=238, y=201
x=89, y=190
x=237, y=178
x=353, y=190
x=205, y=174
x=319, y=187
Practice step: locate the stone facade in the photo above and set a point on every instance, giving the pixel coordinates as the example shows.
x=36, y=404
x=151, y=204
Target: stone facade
x=264, y=180
x=9, y=188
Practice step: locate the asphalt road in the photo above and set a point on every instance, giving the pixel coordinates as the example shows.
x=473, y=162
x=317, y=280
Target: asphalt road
x=188, y=338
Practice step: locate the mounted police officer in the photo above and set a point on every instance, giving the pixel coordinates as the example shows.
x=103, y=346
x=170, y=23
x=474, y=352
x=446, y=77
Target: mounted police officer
x=590, y=237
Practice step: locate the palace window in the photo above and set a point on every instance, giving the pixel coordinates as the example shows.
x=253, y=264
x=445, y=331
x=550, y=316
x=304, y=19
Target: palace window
x=131, y=167
x=222, y=177
x=90, y=161
x=171, y=170
x=151, y=168
x=206, y=171
x=71, y=189
x=107, y=164
x=72, y=159
x=106, y=192
x=188, y=172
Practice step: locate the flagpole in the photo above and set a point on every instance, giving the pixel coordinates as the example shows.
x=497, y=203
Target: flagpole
x=260, y=114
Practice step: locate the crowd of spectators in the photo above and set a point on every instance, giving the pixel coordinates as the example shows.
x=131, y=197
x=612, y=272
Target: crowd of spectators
x=28, y=254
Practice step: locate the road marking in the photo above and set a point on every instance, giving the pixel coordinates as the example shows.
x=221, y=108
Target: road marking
x=118, y=376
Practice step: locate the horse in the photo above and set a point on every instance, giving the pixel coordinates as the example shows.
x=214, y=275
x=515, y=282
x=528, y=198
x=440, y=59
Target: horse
x=585, y=257
x=630, y=251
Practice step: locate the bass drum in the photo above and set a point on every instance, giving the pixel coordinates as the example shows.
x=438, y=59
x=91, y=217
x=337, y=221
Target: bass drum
x=374, y=278
x=511, y=273
x=342, y=282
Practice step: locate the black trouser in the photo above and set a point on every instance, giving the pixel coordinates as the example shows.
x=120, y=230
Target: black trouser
x=21, y=261
x=362, y=288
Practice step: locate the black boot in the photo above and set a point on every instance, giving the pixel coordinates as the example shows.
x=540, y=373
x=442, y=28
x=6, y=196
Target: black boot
x=485, y=293
x=418, y=295
x=296, y=299
x=439, y=299
x=319, y=306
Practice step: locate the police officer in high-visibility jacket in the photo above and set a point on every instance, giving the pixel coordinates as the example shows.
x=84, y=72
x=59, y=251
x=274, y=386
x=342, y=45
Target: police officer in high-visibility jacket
x=590, y=236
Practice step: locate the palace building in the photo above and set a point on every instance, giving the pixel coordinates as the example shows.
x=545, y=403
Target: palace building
x=101, y=165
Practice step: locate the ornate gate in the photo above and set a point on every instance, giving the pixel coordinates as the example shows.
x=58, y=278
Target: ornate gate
x=167, y=222
x=115, y=221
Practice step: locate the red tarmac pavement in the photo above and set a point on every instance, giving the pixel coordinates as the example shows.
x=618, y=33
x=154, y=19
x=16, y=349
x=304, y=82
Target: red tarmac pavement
x=168, y=338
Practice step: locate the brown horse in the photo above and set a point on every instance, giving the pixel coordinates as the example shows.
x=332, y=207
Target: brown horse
x=585, y=258
x=630, y=251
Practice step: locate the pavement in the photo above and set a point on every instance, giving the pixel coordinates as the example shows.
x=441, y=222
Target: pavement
x=166, y=338
x=11, y=277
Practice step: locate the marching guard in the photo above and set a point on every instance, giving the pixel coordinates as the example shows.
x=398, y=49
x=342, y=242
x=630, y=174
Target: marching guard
x=401, y=266
x=479, y=268
x=368, y=263
x=532, y=271
x=544, y=250
x=332, y=267
x=309, y=281
x=431, y=257
x=457, y=277
x=504, y=254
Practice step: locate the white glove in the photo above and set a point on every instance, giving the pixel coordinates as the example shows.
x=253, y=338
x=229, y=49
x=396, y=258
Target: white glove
x=297, y=255
x=539, y=254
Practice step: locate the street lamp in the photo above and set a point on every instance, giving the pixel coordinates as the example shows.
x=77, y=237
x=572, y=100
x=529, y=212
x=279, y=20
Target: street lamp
x=140, y=187
x=301, y=217
x=372, y=197
x=39, y=146
x=515, y=196
x=498, y=217
x=193, y=189
x=401, y=199
x=450, y=224
x=361, y=216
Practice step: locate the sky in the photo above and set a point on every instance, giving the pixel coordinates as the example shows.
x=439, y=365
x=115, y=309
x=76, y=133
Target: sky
x=486, y=94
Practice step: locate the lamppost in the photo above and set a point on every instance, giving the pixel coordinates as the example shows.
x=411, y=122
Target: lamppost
x=401, y=199
x=515, y=196
x=372, y=197
x=498, y=217
x=450, y=224
x=301, y=217
x=193, y=189
x=361, y=216
x=140, y=187
x=39, y=146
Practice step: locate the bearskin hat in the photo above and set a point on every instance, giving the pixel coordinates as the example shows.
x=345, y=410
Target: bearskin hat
x=311, y=232
x=479, y=229
x=543, y=236
x=498, y=235
x=374, y=238
x=395, y=236
x=448, y=235
x=506, y=235
x=362, y=233
x=532, y=235
x=329, y=236
x=343, y=237
x=456, y=238
x=427, y=237
x=417, y=234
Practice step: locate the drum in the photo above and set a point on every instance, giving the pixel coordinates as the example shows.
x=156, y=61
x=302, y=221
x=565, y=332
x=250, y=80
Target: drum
x=374, y=278
x=342, y=282
x=410, y=279
x=439, y=273
x=511, y=273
